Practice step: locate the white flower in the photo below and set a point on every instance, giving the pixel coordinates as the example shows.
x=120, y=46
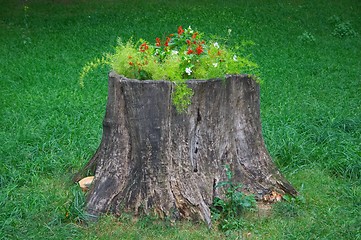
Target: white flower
x=174, y=52
x=216, y=45
x=215, y=64
x=190, y=30
x=235, y=58
x=188, y=71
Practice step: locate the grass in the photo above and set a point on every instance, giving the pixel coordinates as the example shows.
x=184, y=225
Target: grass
x=311, y=109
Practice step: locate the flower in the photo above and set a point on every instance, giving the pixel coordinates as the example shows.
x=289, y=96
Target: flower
x=189, y=71
x=199, y=49
x=190, y=30
x=143, y=47
x=180, y=30
x=157, y=42
x=235, y=58
x=174, y=52
x=215, y=64
x=216, y=45
x=167, y=41
x=190, y=51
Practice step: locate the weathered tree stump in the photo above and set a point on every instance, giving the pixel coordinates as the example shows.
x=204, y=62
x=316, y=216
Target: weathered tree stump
x=153, y=159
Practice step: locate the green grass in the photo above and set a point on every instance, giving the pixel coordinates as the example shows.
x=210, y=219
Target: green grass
x=310, y=107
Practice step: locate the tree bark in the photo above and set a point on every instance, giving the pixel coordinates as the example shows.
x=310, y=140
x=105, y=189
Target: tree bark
x=153, y=159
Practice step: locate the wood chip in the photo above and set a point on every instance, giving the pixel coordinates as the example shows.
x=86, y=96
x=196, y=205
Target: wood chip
x=86, y=182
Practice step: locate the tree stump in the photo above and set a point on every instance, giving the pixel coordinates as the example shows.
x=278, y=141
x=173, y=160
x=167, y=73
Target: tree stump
x=153, y=159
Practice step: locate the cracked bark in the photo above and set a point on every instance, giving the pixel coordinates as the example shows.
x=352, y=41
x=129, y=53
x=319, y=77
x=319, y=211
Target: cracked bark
x=153, y=159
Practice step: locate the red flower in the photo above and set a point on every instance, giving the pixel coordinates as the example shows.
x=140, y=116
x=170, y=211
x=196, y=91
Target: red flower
x=199, y=49
x=188, y=42
x=180, y=30
x=131, y=63
x=143, y=47
x=195, y=35
x=167, y=41
x=190, y=51
x=157, y=40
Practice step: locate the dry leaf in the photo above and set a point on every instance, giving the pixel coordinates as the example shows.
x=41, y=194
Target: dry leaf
x=85, y=183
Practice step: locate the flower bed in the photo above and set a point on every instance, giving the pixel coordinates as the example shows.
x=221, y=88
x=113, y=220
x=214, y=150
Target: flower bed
x=180, y=56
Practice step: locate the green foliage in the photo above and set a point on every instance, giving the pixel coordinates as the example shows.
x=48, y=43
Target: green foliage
x=74, y=209
x=182, y=96
x=180, y=56
x=228, y=212
x=89, y=66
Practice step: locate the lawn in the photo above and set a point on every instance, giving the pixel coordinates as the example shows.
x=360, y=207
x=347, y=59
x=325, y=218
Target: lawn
x=310, y=58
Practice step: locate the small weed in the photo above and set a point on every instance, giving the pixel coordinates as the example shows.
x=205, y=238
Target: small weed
x=307, y=37
x=228, y=212
x=342, y=29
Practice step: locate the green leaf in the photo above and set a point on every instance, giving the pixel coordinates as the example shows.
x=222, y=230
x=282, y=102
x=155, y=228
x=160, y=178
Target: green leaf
x=221, y=184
